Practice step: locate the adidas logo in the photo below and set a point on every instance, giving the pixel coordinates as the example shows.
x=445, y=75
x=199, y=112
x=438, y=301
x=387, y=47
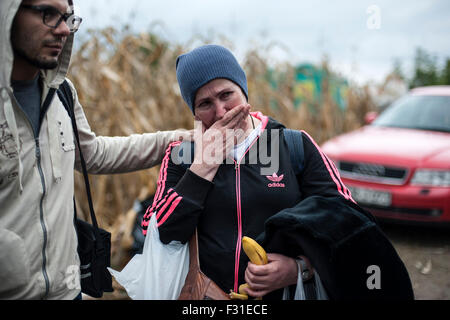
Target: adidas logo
x=276, y=181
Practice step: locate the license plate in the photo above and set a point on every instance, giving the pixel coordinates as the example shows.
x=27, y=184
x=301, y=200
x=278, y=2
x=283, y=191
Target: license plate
x=369, y=196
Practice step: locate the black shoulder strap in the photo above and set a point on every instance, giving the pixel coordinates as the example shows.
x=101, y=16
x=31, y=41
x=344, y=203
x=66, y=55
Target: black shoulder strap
x=66, y=97
x=294, y=141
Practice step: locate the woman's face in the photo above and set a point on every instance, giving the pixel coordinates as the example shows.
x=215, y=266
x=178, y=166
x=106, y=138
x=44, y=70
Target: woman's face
x=215, y=99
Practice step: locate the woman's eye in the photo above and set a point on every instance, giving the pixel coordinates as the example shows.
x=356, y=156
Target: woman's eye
x=203, y=105
x=227, y=94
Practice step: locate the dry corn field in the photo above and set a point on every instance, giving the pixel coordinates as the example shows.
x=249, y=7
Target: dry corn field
x=129, y=86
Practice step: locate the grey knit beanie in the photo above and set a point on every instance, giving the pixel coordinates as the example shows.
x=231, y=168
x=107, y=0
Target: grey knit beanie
x=204, y=64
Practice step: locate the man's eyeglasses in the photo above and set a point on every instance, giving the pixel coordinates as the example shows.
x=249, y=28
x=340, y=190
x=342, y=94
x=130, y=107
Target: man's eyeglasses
x=52, y=18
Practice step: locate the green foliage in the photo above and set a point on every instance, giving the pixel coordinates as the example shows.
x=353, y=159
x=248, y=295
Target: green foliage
x=445, y=76
x=398, y=69
x=426, y=70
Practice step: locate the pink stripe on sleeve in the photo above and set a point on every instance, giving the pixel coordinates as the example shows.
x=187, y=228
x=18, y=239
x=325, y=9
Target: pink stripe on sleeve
x=336, y=177
x=161, y=180
x=161, y=187
x=169, y=201
x=163, y=172
x=169, y=212
x=346, y=190
x=152, y=209
x=160, y=203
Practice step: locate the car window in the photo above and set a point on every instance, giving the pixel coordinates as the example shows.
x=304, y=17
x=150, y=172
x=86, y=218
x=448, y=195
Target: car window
x=418, y=112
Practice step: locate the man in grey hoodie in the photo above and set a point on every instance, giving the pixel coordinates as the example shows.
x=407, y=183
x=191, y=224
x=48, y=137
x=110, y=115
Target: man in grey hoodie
x=38, y=241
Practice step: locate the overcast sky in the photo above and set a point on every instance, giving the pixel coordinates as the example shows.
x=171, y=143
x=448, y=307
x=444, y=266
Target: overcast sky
x=361, y=38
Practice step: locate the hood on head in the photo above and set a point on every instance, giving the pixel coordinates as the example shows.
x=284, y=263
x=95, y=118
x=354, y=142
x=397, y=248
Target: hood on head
x=52, y=78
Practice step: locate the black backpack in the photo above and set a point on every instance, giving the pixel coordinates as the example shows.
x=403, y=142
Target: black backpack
x=294, y=141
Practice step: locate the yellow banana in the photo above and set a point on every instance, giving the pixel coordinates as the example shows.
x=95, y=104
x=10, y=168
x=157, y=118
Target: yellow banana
x=257, y=255
x=254, y=251
x=242, y=295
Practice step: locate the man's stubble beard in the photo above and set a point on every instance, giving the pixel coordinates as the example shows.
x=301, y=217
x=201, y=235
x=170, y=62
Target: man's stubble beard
x=22, y=49
x=37, y=62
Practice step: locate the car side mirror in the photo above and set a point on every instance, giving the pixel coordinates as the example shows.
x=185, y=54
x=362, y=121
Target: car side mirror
x=370, y=117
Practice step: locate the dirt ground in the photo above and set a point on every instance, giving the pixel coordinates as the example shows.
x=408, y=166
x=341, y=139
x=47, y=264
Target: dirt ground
x=425, y=252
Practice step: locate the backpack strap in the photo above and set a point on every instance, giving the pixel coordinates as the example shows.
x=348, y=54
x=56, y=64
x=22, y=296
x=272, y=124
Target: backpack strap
x=294, y=141
x=66, y=97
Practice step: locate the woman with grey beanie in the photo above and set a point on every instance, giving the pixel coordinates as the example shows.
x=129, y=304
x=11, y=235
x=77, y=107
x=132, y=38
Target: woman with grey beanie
x=223, y=185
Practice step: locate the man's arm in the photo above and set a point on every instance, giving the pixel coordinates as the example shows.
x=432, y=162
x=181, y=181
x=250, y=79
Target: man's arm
x=120, y=154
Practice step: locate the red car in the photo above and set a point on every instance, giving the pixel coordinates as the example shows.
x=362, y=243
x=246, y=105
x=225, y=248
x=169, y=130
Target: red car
x=398, y=166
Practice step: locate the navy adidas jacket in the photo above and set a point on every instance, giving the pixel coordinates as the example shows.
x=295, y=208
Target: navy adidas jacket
x=238, y=201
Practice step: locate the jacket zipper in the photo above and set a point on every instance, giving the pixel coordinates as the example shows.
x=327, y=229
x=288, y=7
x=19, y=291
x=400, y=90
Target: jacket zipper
x=239, y=222
x=41, y=202
x=239, y=216
x=41, y=214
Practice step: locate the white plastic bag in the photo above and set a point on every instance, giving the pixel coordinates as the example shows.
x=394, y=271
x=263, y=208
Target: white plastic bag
x=321, y=293
x=159, y=272
x=299, y=291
